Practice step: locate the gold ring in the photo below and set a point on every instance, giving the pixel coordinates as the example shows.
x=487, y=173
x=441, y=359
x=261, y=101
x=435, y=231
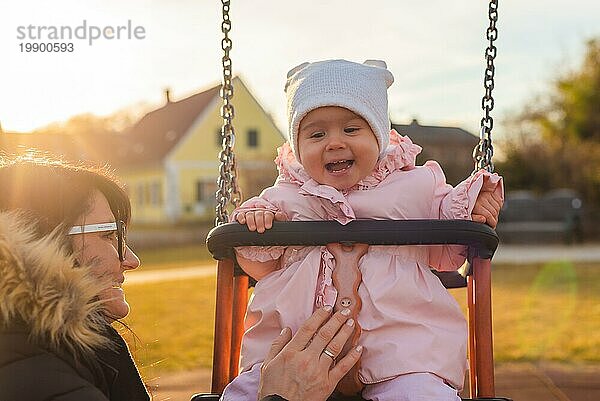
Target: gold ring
x=329, y=353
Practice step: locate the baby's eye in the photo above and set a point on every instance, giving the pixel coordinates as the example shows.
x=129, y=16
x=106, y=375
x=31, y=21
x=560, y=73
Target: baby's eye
x=350, y=130
x=318, y=134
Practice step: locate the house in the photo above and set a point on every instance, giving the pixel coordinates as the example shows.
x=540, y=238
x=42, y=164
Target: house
x=170, y=162
x=450, y=146
x=169, y=159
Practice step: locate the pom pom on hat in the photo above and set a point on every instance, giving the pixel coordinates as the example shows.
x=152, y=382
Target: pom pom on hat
x=360, y=88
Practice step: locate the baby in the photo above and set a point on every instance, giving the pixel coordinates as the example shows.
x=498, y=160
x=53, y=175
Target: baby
x=341, y=162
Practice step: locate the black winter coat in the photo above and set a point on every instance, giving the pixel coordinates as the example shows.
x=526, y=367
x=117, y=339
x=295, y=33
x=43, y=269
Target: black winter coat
x=56, y=348
x=28, y=372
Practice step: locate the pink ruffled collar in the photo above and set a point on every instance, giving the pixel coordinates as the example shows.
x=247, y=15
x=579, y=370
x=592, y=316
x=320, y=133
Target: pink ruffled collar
x=400, y=154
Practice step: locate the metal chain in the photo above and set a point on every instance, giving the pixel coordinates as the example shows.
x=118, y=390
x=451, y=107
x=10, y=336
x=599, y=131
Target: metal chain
x=483, y=152
x=228, y=190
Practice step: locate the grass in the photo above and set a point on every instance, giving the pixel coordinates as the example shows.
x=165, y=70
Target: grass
x=171, y=257
x=173, y=322
x=547, y=312
x=541, y=312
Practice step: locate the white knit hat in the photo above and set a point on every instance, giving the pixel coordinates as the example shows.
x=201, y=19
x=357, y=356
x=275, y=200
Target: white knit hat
x=360, y=88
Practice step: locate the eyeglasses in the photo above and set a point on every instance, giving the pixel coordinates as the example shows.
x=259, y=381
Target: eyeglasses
x=117, y=226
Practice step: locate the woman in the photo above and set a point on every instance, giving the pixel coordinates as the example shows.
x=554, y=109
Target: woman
x=62, y=261
x=63, y=255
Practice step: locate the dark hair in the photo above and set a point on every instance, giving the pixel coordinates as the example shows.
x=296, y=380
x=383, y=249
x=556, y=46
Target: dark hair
x=56, y=192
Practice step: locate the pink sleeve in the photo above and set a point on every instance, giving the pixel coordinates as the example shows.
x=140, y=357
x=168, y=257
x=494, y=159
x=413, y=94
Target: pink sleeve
x=257, y=261
x=456, y=203
x=459, y=202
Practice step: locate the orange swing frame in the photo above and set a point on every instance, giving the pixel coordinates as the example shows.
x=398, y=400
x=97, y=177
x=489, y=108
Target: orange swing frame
x=232, y=300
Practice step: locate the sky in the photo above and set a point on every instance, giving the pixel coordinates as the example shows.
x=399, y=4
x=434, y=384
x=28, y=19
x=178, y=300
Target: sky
x=434, y=49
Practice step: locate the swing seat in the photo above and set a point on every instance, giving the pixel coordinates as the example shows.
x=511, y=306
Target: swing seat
x=232, y=283
x=215, y=397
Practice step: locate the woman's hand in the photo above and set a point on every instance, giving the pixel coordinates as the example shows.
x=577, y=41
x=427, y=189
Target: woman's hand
x=300, y=367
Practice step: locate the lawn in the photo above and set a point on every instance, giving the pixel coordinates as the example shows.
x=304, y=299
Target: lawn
x=547, y=312
x=541, y=312
x=173, y=324
x=171, y=257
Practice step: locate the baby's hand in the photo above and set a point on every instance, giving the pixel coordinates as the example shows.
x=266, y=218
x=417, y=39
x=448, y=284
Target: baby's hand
x=487, y=207
x=259, y=220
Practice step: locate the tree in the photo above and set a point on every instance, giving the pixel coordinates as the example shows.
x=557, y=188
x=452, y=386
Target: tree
x=555, y=141
x=90, y=124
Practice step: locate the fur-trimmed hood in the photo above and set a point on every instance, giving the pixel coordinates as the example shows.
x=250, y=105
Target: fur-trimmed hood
x=40, y=286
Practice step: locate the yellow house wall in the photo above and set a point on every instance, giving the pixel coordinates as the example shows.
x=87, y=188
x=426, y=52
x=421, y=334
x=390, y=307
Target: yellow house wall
x=196, y=156
x=146, y=207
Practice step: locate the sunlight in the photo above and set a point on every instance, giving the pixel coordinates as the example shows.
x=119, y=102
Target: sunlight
x=438, y=71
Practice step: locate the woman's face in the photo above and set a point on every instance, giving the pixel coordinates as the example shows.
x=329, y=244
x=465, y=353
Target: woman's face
x=100, y=250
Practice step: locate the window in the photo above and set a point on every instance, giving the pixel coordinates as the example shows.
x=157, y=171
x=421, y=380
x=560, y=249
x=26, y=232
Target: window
x=205, y=191
x=252, y=138
x=147, y=193
x=200, y=191
x=139, y=194
x=156, y=193
x=218, y=138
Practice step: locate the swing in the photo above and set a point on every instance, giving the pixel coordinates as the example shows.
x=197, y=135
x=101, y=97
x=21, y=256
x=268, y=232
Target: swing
x=232, y=283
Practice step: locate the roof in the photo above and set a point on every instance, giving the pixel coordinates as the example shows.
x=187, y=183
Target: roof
x=428, y=133
x=155, y=134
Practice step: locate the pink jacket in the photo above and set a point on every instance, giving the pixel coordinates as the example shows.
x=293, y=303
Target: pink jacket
x=409, y=321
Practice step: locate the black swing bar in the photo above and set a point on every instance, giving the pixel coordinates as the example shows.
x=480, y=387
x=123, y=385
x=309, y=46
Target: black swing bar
x=480, y=238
